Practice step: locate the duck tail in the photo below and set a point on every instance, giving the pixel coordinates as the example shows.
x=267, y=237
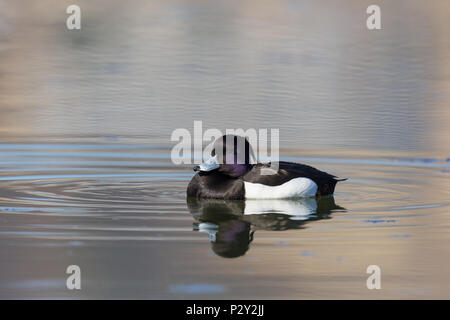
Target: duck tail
x=328, y=188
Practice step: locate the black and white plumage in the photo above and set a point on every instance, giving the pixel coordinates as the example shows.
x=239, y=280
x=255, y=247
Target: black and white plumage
x=229, y=175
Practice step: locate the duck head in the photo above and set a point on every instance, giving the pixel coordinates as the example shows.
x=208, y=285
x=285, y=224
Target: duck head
x=231, y=155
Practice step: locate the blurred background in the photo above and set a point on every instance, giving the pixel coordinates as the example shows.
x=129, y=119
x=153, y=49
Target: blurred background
x=312, y=69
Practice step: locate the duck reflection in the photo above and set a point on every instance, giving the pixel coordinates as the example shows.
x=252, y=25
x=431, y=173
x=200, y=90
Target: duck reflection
x=231, y=224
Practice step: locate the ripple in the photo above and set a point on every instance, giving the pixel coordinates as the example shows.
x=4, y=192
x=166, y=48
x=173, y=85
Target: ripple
x=197, y=288
x=124, y=187
x=28, y=209
x=150, y=176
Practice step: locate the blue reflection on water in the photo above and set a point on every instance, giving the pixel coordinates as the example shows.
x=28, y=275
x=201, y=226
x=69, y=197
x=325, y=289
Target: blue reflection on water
x=197, y=288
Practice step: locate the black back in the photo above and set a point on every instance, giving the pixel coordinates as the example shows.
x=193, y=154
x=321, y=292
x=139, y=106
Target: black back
x=288, y=171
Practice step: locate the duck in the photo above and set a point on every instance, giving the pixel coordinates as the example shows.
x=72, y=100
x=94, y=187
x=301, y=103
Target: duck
x=229, y=174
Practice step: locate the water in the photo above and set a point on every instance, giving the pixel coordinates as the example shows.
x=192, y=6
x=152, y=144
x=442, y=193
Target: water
x=85, y=170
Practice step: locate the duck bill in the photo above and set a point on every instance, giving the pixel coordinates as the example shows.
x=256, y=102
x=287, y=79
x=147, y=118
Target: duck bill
x=208, y=165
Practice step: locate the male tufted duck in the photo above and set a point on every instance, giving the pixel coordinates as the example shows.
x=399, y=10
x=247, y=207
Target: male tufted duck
x=230, y=175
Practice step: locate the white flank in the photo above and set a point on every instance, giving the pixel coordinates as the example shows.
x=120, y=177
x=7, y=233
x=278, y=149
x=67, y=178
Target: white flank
x=295, y=188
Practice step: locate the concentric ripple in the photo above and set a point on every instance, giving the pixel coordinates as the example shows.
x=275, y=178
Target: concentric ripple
x=134, y=191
